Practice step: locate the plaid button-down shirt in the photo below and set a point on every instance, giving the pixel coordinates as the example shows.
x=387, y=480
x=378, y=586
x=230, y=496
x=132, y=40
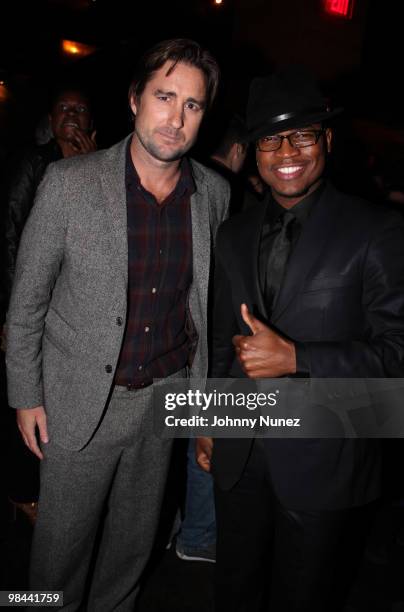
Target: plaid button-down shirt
x=156, y=344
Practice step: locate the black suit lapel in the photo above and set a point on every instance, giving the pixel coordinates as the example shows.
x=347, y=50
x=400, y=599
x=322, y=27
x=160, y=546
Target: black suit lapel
x=312, y=241
x=251, y=241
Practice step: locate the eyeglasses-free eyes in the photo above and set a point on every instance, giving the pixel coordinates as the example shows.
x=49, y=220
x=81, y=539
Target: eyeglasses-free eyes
x=80, y=109
x=298, y=140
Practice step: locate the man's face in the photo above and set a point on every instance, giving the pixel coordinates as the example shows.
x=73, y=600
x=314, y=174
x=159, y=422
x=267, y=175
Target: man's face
x=293, y=173
x=70, y=113
x=169, y=111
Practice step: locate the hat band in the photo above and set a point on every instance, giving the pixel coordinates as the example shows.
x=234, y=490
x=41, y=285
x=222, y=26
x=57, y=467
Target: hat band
x=286, y=116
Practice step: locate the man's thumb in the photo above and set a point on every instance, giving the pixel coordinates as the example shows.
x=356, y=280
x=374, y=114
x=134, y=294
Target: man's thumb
x=250, y=320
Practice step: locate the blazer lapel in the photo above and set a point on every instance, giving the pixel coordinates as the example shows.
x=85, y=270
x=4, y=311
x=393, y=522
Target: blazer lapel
x=313, y=240
x=114, y=188
x=201, y=249
x=250, y=263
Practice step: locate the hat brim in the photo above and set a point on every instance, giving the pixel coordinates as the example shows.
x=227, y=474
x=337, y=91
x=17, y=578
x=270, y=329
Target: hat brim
x=299, y=121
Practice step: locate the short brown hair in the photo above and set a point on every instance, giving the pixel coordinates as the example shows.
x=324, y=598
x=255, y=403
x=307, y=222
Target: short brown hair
x=176, y=50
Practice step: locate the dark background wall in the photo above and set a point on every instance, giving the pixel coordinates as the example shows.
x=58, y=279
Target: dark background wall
x=301, y=31
x=359, y=60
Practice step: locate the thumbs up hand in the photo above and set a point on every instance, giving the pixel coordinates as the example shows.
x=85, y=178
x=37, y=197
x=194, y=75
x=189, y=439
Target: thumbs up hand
x=254, y=324
x=264, y=354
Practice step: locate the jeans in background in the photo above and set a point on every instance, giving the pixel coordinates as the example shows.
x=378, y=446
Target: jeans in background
x=198, y=529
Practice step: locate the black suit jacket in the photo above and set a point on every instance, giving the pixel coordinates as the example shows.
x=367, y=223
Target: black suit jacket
x=343, y=299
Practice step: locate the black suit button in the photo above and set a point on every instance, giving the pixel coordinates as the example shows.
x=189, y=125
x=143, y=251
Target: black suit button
x=119, y=321
x=108, y=369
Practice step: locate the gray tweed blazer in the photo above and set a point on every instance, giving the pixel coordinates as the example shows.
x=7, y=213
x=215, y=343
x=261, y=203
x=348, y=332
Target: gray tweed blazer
x=70, y=288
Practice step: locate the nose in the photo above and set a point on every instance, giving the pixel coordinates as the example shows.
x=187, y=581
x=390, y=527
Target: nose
x=287, y=150
x=71, y=110
x=177, y=117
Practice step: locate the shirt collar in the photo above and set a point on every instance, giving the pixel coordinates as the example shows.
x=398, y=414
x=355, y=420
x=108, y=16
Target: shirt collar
x=186, y=182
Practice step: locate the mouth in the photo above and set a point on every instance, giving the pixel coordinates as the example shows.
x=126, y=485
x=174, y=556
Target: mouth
x=288, y=173
x=170, y=137
x=71, y=124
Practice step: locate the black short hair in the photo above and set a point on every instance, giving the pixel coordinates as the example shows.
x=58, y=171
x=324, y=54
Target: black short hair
x=235, y=131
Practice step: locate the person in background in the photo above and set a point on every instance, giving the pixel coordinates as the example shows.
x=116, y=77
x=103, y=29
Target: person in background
x=229, y=156
x=196, y=539
x=71, y=123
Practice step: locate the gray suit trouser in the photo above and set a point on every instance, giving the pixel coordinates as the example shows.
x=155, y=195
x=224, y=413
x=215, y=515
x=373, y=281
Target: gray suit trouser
x=118, y=477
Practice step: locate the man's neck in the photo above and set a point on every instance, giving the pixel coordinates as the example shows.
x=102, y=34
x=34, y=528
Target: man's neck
x=289, y=202
x=156, y=176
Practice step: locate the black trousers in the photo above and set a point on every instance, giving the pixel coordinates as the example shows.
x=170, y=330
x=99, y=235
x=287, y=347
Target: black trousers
x=270, y=558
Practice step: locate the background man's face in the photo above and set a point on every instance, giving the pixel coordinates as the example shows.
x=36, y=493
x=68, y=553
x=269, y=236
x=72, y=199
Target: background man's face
x=294, y=173
x=70, y=113
x=169, y=111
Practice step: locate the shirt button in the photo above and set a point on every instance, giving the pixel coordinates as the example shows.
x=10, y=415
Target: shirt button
x=108, y=368
x=119, y=321
x=154, y=290
x=147, y=329
x=140, y=368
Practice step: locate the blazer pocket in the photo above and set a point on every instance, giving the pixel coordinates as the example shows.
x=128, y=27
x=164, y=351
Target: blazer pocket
x=337, y=281
x=59, y=332
x=337, y=311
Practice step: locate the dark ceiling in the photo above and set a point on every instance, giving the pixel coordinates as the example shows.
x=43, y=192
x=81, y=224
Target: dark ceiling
x=31, y=61
x=31, y=31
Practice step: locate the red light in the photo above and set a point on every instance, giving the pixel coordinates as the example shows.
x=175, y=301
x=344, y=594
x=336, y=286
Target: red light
x=342, y=8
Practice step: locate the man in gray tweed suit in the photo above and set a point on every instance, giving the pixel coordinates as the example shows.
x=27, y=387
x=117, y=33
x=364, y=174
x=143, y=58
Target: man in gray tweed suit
x=111, y=292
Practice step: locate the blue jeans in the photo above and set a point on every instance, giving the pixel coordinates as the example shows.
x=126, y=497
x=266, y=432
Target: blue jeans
x=198, y=529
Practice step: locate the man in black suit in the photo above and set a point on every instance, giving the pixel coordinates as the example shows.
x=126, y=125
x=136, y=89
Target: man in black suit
x=310, y=283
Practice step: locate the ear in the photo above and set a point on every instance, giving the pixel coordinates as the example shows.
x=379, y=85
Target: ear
x=328, y=138
x=133, y=104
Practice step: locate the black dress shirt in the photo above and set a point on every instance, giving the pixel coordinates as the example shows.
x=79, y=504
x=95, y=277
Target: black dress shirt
x=270, y=230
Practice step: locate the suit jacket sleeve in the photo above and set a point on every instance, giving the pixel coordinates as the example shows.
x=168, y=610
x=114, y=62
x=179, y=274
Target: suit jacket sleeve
x=39, y=258
x=220, y=197
x=381, y=352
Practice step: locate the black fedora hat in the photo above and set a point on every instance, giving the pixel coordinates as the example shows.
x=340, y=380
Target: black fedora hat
x=287, y=99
